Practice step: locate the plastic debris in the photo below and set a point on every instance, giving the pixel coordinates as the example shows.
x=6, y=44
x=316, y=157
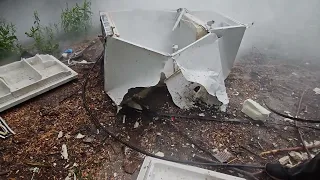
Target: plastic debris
x=68, y=51
x=64, y=152
x=254, y=110
x=5, y=130
x=316, y=90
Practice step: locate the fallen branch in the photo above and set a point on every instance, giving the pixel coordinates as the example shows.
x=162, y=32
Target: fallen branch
x=288, y=149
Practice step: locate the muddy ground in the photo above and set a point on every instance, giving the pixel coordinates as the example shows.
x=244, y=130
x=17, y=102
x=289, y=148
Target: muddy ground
x=38, y=122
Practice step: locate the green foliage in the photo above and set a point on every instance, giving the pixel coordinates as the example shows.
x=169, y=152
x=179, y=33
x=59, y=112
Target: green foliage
x=43, y=36
x=8, y=40
x=77, y=19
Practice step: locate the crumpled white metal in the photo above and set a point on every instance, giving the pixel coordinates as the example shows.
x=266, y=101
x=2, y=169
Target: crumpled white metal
x=195, y=50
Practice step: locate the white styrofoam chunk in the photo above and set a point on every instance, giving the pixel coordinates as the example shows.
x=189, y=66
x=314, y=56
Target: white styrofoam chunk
x=156, y=169
x=25, y=79
x=254, y=110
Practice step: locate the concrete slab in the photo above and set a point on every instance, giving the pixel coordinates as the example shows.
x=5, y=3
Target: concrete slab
x=156, y=169
x=25, y=79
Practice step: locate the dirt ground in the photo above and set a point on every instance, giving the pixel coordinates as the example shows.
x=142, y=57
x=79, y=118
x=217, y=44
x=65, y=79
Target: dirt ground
x=38, y=122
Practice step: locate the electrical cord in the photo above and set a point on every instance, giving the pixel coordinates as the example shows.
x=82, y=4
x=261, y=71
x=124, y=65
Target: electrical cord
x=289, y=117
x=95, y=121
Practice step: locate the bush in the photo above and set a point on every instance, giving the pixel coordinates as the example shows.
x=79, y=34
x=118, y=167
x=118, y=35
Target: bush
x=44, y=37
x=8, y=40
x=77, y=19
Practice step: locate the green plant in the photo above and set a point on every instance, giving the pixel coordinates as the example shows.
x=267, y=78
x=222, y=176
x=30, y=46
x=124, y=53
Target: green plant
x=77, y=19
x=43, y=36
x=8, y=40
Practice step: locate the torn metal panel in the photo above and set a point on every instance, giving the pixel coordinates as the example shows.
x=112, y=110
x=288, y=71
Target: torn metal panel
x=190, y=51
x=129, y=66
x=200, y=63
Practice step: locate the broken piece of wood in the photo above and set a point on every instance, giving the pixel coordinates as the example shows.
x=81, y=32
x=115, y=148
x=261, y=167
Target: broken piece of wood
x=300, y=148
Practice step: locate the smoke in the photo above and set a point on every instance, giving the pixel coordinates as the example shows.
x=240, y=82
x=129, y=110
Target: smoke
x=287, y=29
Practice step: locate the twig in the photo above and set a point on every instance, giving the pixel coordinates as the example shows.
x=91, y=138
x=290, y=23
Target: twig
x=296, y=124
x=289, y=149
x=253, y=153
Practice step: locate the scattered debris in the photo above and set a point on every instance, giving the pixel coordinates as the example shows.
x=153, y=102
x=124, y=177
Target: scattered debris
x=34, y=171
x=296, y=156
x=88, y=139
x=130, y=166
x=284, y=160
x=124, y=119
x=80, y=136
x=5, y=130
x=201, y=115
x=64, y=152
x=64, y=55
x=136, y=125
x=254, y=110
x=160, y=154
x=288, y=120
x=223, y=156
x=60, y=134
x=316, y=90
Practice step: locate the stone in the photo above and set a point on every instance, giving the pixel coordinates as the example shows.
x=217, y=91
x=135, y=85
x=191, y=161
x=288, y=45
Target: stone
x=88, y=140
x=284, y=160
x=296, y=156
x=160, y=154
x=130, y=166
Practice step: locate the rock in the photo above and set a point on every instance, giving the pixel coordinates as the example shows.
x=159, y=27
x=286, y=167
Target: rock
x=130, y=166
x=88, y=140
x=296, y=156
x=80, y=136
x=284, y=160
x=160, y=154
x=254, y=110
x=305, y=156
x=60, y=134
x=136, y=125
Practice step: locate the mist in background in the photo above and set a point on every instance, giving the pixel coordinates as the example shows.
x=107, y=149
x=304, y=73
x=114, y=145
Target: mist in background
x=284, y=30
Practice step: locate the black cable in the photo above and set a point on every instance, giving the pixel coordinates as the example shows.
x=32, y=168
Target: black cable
x=289, y=117
x=95, y=121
